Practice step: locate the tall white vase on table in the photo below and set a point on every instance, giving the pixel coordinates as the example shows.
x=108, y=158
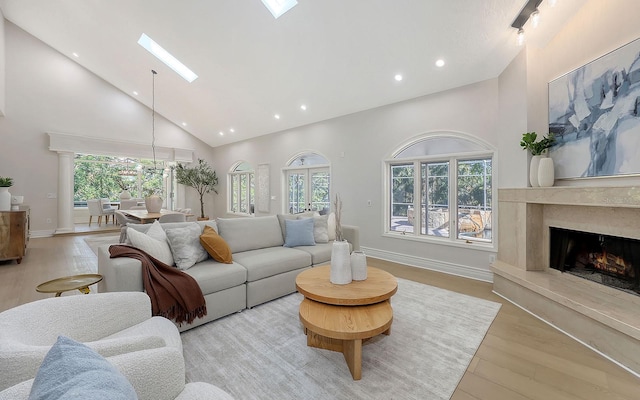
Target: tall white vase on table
x=546, y=174
x=533, y=171
x=340, y=263
x=5, y=199
x=153, y=203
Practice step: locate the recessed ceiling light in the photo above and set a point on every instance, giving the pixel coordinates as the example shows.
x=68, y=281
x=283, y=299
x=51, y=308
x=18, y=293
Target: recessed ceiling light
x=231, y=130
x=135, y=93
x=276, y=116
x=75, y=54
x=398, y=77
x=303, y=107
x=166, y=57
x=279, y=7
x=440, y=63
x=221, y=133
x=184, y=124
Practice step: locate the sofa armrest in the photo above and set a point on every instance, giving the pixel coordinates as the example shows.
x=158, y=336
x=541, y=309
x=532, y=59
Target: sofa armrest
x=128, y=344
x=122, y=274
x=155, y=374
x=351, y=233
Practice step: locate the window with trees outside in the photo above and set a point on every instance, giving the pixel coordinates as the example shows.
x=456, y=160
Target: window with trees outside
x=308, y=181
x=440, y=187
x=106, y=177
x=241, y=189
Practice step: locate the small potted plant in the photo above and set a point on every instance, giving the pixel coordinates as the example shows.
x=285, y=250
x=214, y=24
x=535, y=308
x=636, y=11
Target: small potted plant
x=200, y=177
x=538, y=149
x=5, y=196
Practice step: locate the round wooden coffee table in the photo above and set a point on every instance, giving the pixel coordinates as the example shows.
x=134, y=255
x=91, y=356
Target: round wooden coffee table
x=341, y=317
x=67, y=283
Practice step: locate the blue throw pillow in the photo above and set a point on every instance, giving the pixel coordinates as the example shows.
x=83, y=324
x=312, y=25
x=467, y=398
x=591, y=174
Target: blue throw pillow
x=71, y=370
x=299, y=232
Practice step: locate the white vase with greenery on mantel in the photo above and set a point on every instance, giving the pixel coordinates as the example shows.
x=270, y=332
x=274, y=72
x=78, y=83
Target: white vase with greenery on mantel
x=538, y=149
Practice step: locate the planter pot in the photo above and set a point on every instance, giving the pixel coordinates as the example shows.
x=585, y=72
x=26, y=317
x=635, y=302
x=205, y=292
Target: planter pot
x=546, y=174
x=125, y=195
x=533, y=171
x=153, y=203
x=358, y=266
x=203, y=218
x=5, y=199
x=340, y=263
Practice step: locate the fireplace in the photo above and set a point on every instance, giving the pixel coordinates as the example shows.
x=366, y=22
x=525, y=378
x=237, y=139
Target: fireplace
x=609, y=260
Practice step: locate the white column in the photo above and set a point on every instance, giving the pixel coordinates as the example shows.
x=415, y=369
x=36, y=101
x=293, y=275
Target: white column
x=65, y=192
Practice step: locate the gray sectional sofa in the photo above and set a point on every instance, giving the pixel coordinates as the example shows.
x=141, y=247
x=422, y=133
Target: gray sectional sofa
x=262, y=269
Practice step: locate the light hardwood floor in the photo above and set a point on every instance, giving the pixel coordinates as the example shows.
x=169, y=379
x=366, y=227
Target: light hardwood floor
x=520, y=358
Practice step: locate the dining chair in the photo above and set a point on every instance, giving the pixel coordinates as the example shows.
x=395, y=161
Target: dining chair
x=123, y=220
x=127, y=204
x=109, y=210
x=96, y=209
x=176, y=217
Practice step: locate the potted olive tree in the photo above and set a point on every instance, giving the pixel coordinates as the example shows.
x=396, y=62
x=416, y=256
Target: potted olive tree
x=538, y=149
x=200, y=177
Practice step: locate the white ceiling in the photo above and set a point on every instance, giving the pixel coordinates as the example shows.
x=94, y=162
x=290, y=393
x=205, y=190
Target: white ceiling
x=336, y=56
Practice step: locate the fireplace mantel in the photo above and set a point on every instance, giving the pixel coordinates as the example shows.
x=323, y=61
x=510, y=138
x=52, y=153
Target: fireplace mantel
x=603, y=318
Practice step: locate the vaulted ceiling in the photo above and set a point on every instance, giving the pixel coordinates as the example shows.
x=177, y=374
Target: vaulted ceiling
x=335, y=56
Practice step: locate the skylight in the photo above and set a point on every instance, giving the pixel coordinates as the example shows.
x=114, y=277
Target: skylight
x=279, y=7
x=166, y=57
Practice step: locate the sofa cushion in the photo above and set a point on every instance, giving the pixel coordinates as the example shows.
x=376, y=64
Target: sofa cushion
x=158, y=249
x=243, y=234
x=331, y=226
x=165, y=225
x=71, y=370
x=271, y=261
x=299, y=232
x=215, y=245
x=321, y=229
x=185, y=245
x=320, y=253
x=213, y=276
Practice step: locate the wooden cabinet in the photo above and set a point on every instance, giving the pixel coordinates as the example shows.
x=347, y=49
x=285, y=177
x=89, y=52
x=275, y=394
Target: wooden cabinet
x=14, y=234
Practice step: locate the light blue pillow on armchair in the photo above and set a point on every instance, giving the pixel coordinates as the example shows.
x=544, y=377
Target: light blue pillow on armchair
x=299, y=232
x=71, y=370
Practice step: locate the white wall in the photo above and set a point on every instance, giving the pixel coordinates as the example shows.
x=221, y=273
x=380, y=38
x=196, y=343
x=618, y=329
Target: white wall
x=597, y=29
x=48, y=92
x=2, y=66
x=366, y=139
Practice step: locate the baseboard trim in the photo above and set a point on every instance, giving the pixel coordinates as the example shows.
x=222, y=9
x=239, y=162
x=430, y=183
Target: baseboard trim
x=41, y=234
x=434, y=265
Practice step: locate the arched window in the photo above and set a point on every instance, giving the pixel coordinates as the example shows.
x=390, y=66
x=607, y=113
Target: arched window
x=439, y=186
x=308, y=180
x=241, y=189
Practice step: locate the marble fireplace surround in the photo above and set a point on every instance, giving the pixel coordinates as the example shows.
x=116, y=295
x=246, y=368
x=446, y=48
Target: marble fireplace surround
x=604, y=318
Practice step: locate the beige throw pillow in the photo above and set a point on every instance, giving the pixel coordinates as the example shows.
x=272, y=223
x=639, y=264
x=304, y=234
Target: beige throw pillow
x=158, y=249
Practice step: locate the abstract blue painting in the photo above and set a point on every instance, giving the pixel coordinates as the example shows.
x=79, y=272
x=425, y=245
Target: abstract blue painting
x=594, y=113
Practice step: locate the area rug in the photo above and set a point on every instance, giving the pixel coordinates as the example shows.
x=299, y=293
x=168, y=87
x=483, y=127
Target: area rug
x=261, y=353
x=95, y=241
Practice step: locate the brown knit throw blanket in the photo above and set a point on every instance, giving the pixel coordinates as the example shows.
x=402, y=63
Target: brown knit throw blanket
x=174, y=294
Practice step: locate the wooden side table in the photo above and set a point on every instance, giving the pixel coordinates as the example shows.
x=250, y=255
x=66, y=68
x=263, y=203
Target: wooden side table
x=68, y=283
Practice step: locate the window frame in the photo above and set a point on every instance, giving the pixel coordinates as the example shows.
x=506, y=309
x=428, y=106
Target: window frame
x=452, y=159
x=250, y=176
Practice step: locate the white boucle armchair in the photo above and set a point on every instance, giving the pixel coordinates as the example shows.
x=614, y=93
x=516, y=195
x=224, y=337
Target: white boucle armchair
x=147, y=350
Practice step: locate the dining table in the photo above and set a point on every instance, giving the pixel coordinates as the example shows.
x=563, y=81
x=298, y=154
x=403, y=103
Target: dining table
x=144, y=217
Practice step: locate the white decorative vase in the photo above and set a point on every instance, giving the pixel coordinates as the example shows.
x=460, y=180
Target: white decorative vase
x=358, y=266
x=340, y=263
x=153, y=203
x=533, y=171
x=546, y=174
x=5, y=199
x=125, y=195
